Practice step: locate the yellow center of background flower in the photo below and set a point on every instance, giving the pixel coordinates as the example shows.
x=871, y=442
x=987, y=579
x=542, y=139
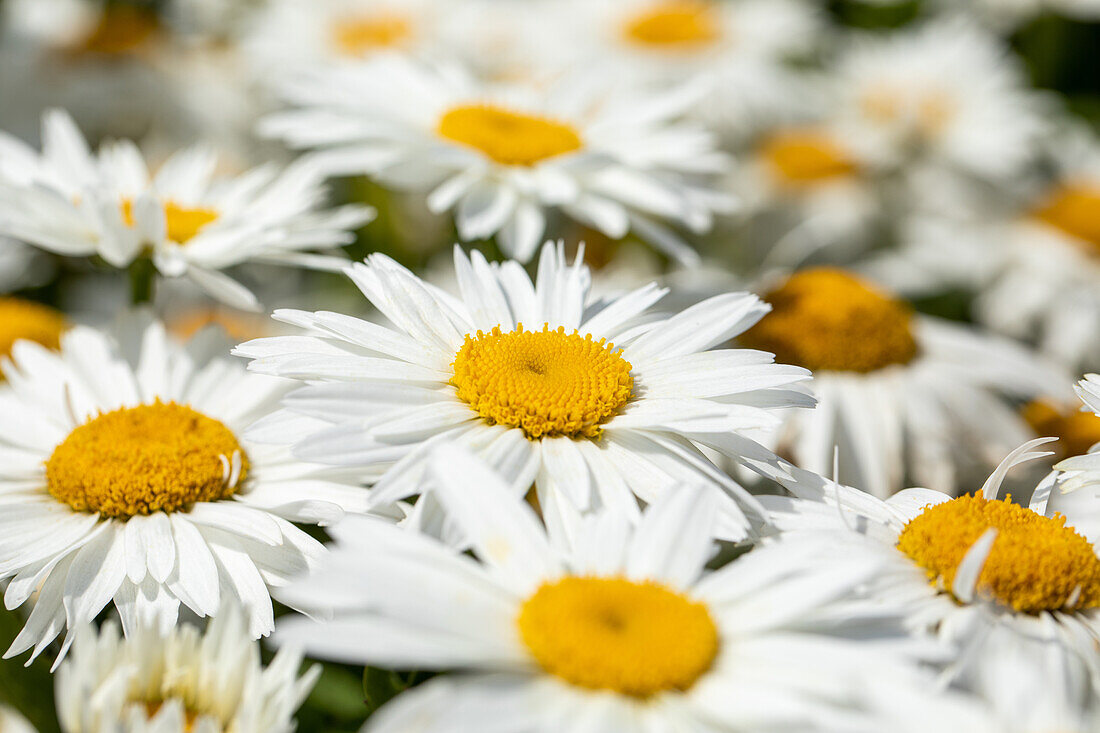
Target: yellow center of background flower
x=680, y=23
x=546, y=383
x=509, y=138
x=120, y=30
x=927, y=111
x=182, y=223
x=1076, y=431
x=800, y=157
x=140, y=460
x=636, y=639
x=828, y=320
x=361, y=34
x=1075, y=210
x=25, y=319
x=1036, y=563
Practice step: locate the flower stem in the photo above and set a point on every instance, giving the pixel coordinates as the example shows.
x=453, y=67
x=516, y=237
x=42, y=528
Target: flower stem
x=143, y=276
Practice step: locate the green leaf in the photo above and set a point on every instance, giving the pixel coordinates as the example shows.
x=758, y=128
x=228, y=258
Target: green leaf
x=27, y=689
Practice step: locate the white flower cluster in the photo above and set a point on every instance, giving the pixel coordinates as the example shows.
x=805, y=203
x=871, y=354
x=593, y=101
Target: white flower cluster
x=635, y=366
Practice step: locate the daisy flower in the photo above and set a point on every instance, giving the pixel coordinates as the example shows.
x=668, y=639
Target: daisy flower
x=181, y=681
x=964, y=565
x=187, y=220
x=595, y=402
x=503, y=157
x=737, y=49
x=902, y=397
x=1033, y=260
x=946, y=95
x=288, y=35
x=616, y=628
x=124, y=479
x=806, y=191
x=1013, y=684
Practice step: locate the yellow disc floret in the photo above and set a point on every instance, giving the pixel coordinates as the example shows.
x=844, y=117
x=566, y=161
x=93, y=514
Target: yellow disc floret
x=361, y=34
x=24, y=319
x=546, y=383
x=807, y=156
x=182, y=223
x=1036, y=564
x=507, y=137
x=675, y=24
x=635, y=638
x=151, y=458
x=1076, y=431
x=828, y=320
x=1075, y=210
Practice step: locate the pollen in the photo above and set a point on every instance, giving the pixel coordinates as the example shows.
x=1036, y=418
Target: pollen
x=1076, y=431
x=828, y=320
x=805, y=156
x=24, y=319
x=507, y=137
x=1075, y=210
x=675, y=25
x=159, y=457
x=547, y=383
x=634, y=638
x=361, y=34
x=1036, y=564
x=182, y=223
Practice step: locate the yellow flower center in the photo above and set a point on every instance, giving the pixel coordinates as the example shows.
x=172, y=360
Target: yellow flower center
x=1075, y=210
x=1076, y=431
x=140, y=460
x=675, y=25
x=509, y=138
x=800, y=157
x=190, y=717
x=827, y=320
x=928, y=111
x=1036, y=563
x=23, y=319
x=546, y=383
x=361, y=34
x=636, y=638
x=121, y=29
x=181, y=223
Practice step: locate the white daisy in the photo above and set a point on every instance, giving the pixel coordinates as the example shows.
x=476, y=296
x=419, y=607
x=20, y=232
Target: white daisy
x=902, y=397
x=616, y=629
x=965, y=565
x=738, y=49
x=946, y=94
x=188, y=221
x=288, y=36
x=806, y=193
x=1034, y=260
x=595, y=401
x=1013, y=684
x=502, y=158
x=123, y=479
x=179, y=682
